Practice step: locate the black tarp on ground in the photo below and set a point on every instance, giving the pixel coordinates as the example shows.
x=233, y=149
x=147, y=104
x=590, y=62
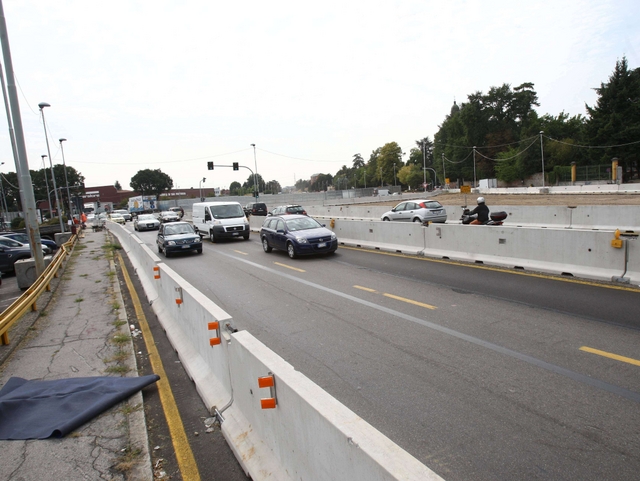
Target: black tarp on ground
x=43, y=409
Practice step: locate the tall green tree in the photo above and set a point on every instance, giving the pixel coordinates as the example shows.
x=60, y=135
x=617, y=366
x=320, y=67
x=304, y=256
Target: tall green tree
x=151, y=182
x=615, y=118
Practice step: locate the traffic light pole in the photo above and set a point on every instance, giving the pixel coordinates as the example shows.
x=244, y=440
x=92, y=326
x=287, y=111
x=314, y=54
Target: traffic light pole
x=237, y=166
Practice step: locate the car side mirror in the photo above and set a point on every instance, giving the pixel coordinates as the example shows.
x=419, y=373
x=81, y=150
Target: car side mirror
x=280, y=231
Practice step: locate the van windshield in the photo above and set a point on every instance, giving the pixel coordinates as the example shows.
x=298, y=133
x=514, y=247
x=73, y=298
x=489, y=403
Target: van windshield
x=226, y=211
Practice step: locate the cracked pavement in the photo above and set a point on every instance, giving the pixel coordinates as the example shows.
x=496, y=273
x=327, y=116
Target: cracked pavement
x=79, y=333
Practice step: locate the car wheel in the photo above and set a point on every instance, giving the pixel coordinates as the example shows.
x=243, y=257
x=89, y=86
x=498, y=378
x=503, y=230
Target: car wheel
x=386, y=219
x=417, y=219
x=291, y=251
x=212, y=237
x=265, y=245
x=199, y=251
x=167, y=254
x=245, y=237
x=159, y=249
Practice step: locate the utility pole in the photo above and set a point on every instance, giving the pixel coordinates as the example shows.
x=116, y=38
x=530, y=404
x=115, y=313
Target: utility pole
x=22, y=166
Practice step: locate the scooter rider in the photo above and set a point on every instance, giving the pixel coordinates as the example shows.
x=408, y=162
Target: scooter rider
x=481, y=212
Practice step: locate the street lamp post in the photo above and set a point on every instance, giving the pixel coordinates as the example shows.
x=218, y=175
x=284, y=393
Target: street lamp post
x=542, y=156
x=66, y=179
x=424, y=166
x=42, y=105
x=255, y=174
x=200, y=185
x=46, y=182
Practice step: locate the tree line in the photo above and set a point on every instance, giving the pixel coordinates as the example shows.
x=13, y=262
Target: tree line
x=500, y=135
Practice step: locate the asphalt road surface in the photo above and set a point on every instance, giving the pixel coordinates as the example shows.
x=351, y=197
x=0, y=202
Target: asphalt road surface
x=479, y=373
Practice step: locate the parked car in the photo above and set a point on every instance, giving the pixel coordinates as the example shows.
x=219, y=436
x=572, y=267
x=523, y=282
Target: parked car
x=24, y=239
x=146, y=222
x=417, y=211
x=256, y=208
x=12, y=251
x=178, y=237
x=117, y=218
x=288, y=210
x=125, y=213
x=168, y=216
x=297, y=235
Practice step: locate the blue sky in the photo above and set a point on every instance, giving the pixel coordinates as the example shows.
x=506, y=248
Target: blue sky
x=172, y=85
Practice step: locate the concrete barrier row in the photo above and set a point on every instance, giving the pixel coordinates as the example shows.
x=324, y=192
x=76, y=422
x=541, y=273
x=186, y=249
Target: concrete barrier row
x=308, y=435
x=582, y=253
x=623, y=217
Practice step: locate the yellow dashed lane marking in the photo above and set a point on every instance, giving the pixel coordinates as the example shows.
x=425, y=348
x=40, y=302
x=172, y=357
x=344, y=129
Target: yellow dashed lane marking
x=184, y=455
x=610, y=355
x=289, y=267
x=240, y=252
x=398, y=298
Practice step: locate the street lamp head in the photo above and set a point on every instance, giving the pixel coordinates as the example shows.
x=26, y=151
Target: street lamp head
x=204, y=179
x=43, y=105
x=62, y=140
x=253, y=145
x=43, y=156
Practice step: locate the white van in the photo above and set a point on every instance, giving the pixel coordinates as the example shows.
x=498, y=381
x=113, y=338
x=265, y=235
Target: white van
x=220, y=220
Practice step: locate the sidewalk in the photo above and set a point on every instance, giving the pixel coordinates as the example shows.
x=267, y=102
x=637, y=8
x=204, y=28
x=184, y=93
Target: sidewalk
x=72, y=335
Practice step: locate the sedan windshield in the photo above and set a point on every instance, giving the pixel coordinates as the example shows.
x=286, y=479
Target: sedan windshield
x=178, y=229
x=302, y=224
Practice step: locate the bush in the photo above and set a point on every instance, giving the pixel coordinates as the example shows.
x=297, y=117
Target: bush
x=17, y=223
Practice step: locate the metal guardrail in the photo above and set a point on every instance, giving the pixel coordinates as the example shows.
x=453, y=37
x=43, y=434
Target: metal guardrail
x=27, y=301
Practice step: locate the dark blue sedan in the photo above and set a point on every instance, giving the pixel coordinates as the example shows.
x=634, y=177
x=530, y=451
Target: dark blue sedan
x=176, y=237
x=297, y=235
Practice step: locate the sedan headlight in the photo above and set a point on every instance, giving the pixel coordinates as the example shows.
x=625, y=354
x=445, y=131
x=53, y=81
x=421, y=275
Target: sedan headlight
x=301, y=240
x=171, y=243
x=333, y=236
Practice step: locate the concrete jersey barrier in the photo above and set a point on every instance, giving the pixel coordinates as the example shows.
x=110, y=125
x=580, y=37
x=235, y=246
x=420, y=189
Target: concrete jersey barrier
x=309, y=435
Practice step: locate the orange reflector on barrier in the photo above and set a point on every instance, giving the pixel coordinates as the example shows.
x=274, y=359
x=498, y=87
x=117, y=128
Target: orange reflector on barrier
x=266, y=381
x=156, y=272
x=214, y=341
x=213, y=325
x=268, y=403
x=178, y=301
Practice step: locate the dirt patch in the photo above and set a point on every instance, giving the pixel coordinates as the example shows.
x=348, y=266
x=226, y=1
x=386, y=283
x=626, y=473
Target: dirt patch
x=532, y=199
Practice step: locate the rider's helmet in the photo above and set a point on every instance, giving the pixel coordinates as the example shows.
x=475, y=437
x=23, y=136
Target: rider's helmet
x=480, y=200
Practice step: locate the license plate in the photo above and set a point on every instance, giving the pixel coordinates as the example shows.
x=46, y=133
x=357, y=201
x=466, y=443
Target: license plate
x=236, y=234
x=186, y=247
x=322, y=244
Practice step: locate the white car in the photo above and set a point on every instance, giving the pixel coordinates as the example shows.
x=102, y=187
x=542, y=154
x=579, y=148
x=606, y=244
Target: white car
x=417, y=211
x=117, y=218
x=146, y=222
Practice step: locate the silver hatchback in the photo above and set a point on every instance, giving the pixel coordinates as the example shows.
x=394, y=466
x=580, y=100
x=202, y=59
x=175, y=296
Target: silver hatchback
x=417, y=211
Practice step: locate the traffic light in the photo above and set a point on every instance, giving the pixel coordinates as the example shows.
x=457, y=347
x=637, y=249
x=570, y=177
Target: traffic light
x=210, y=165
x=235, y=166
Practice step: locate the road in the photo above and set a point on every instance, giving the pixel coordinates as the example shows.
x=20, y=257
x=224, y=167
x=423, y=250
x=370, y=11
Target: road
x=479, y=373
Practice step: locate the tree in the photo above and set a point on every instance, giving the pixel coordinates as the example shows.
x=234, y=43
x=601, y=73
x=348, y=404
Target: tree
x=151, y=182
x=358, y=161
x=118, y=186
x=390, y=156
x=249, y=184
x=236, y=188
x=411, y=175
x=615, y=118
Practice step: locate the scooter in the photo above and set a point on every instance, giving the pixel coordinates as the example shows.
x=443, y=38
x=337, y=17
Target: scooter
x=495, y=218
